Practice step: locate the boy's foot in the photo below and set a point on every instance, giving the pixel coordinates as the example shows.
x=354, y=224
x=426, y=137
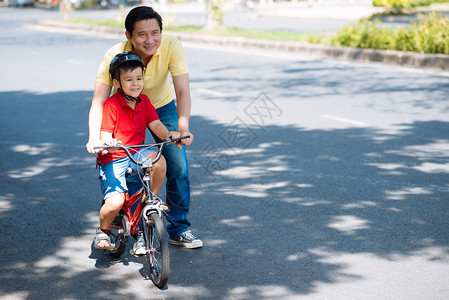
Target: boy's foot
x=139, y=245
x=187, y=240
x=102, y=240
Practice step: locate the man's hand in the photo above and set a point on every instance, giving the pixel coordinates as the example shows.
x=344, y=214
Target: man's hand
x=188, y=141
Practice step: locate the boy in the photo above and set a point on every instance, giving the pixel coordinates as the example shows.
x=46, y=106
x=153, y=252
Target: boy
x=126, y=114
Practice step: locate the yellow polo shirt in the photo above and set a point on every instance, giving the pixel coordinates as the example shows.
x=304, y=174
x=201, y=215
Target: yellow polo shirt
x=169, y=58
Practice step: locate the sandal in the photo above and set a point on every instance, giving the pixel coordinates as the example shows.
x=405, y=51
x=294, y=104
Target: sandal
x=103, y=235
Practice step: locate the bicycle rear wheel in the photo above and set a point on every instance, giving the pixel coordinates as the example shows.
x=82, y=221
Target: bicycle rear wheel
x=118, y=231
x=158, y=255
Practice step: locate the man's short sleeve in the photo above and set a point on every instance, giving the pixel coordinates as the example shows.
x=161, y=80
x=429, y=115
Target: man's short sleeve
x=177, y=64
x=103, y=70
x=151, y=111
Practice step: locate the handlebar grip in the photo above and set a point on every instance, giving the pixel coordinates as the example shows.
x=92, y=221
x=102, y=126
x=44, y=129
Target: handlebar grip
x=178, y=139
x=118, y=146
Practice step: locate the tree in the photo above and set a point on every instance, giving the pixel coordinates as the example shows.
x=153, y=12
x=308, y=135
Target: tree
x=65, y=8
x=214, y=14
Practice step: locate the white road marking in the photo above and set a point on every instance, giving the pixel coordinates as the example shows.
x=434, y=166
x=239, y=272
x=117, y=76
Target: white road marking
x=212, y=92
x=349, y=121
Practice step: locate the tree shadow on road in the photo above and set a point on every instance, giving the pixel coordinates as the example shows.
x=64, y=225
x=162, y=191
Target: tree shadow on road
x=272, y=204
x=293, y=198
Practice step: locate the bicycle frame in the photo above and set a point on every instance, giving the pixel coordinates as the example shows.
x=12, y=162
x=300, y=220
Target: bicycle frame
x=133, y=219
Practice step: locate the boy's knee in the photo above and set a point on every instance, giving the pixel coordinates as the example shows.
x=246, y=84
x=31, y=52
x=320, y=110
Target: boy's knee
x=160, y=166
x=115, y=201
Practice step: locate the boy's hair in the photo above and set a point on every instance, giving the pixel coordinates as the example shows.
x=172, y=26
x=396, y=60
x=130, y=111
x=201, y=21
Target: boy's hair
x=141, y=13
x=125, y=67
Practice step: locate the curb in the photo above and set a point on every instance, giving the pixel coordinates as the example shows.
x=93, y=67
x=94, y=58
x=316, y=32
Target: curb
x=392, y=57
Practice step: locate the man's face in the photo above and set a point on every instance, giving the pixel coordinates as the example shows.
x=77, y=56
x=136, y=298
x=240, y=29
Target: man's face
x=145, y=38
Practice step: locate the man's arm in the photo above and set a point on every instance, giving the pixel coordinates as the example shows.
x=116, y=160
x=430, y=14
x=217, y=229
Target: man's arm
x=182, y=90
x=101, y=93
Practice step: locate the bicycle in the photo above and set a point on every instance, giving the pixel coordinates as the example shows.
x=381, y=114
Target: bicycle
x=150, y=211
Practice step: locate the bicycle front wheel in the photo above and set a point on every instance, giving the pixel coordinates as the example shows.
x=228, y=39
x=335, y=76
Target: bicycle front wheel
x=157, y=251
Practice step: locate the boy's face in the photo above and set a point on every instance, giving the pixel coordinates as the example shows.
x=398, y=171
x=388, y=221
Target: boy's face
x=132, y=82
x=145, y=38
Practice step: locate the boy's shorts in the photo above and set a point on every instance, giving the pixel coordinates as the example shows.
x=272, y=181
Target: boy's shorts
x=112, y=175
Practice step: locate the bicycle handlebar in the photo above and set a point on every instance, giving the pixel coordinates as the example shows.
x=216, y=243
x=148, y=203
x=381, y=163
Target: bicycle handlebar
x=160, y=146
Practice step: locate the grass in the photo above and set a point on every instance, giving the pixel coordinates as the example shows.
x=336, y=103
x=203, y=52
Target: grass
x=222, y=31
x=109, y=23
x=273, y=35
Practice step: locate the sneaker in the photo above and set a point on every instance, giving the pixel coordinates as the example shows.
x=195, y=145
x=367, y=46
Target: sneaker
x=187, y=240
x=139, y=245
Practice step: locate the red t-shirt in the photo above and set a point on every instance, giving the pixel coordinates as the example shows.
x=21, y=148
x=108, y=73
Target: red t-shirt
x=126, y=124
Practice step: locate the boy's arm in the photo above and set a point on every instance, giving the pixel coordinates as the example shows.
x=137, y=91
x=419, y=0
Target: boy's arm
x=162, y=132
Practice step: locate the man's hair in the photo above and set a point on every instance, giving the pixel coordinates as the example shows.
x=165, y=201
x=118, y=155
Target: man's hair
x=141, y=13
x=125, y=67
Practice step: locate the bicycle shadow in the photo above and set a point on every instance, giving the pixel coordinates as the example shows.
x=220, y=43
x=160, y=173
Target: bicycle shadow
x=103, y=260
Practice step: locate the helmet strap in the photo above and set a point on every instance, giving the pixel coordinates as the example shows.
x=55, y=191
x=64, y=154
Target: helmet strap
x=137, y=99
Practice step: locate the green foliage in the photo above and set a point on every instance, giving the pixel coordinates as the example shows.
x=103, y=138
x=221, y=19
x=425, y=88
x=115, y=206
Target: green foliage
x=392, y=3
x=364, y=34
x=88, y=4
x=405, y=3
x=429, y=35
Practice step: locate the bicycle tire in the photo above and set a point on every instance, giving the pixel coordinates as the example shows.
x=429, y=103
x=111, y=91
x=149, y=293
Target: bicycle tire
x=157, y=250
x=118, y=230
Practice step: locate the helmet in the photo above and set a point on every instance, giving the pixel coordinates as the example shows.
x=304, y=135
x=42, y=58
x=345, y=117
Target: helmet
x=122, y=58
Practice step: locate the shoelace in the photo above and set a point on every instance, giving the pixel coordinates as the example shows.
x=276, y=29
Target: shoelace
x=189, y=236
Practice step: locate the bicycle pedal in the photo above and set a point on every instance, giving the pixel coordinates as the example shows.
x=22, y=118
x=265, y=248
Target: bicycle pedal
x=131, y=251
x=118, y=220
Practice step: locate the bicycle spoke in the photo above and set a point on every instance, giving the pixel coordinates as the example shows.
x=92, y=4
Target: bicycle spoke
x=157, y=256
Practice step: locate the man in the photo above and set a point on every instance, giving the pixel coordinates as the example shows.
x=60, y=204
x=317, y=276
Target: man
x=162, y=56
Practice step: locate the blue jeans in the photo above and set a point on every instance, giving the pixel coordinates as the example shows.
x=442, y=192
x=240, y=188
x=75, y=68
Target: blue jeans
x=178, y=183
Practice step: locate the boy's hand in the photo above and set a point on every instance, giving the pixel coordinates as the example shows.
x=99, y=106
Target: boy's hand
x=111, y=142
x=94, y=143
x=175, y=135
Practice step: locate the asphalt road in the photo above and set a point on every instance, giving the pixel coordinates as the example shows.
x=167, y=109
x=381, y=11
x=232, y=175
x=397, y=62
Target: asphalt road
x=312, y=178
